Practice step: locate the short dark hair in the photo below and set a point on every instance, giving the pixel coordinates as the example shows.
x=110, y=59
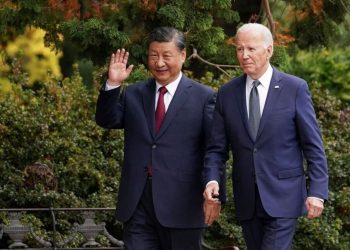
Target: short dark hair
x=167, y=34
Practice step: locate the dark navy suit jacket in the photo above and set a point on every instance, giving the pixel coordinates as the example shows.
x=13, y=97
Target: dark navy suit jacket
x=176, y=153
x=288, y=134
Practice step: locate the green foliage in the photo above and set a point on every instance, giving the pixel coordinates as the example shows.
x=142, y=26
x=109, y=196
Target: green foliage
x=172, y=14
x=54, y=125
x=124, y=24
x=139, y=73
x=330, y=67
x=92, y=37
x=280, y=58
x=306, y=37
x=315, y=24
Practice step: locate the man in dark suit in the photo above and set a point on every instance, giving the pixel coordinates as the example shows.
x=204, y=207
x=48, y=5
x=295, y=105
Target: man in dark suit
x=266, y=118
x=166, y=122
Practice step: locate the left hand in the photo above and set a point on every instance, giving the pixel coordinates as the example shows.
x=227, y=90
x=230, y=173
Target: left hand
x=314, y=207
x=211, y=211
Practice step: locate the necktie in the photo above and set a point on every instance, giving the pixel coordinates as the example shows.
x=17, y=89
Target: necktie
x=160, y=110
x=254, y=110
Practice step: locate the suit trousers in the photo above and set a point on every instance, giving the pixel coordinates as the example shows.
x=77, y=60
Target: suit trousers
x=144, y=232
x=264, y=232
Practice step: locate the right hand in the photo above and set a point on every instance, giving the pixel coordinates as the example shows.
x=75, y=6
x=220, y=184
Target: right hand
x=117, y=71
x=212, y=204
x=211, y=192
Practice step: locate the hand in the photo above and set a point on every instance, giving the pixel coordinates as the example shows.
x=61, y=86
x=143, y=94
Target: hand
x=314, y=207
x=211, y=192
x=211, y=211
x=117, y=71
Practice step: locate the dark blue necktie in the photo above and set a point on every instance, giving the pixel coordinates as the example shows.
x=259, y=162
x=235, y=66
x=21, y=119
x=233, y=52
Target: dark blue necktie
x=254, y=110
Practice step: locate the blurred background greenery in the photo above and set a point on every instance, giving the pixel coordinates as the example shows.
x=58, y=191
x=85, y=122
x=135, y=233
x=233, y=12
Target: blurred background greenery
x=53, y=54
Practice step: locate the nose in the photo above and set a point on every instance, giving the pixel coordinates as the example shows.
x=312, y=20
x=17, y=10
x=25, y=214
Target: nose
x=160, y=63
x=245, y=53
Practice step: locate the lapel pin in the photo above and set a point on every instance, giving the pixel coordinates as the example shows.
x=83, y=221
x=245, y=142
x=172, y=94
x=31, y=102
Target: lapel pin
x=277, y=87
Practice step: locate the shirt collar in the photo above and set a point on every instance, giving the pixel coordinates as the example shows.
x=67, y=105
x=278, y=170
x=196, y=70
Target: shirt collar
x=171, y=87
x=264, y=80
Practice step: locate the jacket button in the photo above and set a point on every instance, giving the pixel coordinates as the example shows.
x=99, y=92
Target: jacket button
x=255, y=150
x=154, y=146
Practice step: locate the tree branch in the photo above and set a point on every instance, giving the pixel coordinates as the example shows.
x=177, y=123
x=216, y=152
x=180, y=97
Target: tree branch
x=266, y=6
x=218, y=66
x=344, y=5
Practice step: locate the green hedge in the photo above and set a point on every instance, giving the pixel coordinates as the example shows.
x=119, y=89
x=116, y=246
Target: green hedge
x=53, y=124
x=329, y=67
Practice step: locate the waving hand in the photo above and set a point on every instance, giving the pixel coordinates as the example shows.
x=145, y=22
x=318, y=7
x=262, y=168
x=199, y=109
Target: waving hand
x=118, y=70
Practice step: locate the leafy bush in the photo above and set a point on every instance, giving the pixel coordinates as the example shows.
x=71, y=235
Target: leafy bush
x=54, y=125
x=329, y=67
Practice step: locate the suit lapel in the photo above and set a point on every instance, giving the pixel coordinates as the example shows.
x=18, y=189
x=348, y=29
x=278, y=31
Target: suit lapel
x=274, y=91
x=148, y=104
x=181, y=95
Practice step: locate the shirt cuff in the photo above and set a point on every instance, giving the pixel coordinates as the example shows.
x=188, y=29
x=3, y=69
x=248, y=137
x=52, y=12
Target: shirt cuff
x=211, y=182
x=322, y=200
x=110, y=87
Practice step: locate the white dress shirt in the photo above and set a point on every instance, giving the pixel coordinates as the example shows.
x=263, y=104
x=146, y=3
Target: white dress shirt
x=263, y=88
x=168, y=96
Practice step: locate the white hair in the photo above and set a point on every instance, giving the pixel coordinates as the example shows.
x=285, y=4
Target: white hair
x=258, y=28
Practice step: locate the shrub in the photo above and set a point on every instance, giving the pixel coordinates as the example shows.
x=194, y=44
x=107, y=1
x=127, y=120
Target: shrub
x=329, y=67
x=54, y=125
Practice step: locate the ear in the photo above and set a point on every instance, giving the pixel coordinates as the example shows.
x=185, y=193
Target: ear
x=269, y=51
x=183, y=55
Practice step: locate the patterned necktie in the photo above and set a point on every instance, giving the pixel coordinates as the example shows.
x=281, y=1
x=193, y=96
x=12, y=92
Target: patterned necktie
x=160, y=110
x=254, y=110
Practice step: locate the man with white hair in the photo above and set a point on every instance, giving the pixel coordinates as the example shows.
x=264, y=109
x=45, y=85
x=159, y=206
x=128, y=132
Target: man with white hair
x=266, y=118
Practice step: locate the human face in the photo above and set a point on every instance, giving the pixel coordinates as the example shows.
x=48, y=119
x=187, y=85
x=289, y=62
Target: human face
x=165, y=61
x=252, y=54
